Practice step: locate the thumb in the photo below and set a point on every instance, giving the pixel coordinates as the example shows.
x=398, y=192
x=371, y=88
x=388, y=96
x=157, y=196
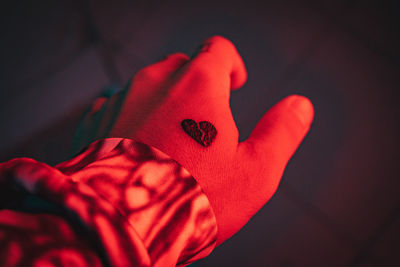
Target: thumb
x=277, y=136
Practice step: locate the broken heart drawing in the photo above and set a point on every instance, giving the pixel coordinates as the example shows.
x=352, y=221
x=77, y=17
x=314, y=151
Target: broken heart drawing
x=203, y=132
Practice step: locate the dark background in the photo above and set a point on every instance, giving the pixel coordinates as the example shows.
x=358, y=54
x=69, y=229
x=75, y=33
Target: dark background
x=339, y=201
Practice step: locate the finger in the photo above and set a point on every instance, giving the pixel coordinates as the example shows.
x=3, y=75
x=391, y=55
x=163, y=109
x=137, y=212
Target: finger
x=277, y=135
x=219, y=56
x=168, y=65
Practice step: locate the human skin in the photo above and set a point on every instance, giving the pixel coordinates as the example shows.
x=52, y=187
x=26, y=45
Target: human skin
x=237, y=177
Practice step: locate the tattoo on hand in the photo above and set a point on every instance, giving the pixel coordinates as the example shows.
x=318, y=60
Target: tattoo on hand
x=203, y=132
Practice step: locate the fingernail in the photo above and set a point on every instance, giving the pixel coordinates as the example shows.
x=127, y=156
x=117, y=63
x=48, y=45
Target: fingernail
x=303, y=108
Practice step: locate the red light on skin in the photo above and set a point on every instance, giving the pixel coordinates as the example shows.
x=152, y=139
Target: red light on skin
x=14, y=254
x=129, y=191
x=98, y=104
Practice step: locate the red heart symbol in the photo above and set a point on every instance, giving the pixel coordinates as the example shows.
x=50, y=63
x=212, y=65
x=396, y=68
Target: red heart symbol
x=204, y=132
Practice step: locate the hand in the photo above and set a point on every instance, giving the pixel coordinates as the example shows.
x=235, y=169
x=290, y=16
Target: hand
x=238, y=178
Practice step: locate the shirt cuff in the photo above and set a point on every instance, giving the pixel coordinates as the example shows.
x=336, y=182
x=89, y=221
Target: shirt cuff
x=141, y=205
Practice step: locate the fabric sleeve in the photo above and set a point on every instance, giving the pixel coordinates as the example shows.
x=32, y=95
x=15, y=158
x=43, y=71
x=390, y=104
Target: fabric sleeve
x=131, y=204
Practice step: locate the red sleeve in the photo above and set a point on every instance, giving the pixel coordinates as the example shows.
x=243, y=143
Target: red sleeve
x=120, y=203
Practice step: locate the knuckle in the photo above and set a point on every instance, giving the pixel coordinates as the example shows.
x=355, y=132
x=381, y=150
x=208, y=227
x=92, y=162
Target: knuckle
x=220, y=40
x=173, y=56
x=178, y=55
x=201, y=71
x=146, y=73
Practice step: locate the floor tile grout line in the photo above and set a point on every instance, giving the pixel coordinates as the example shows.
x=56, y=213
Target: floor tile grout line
x=320, y=216
x=323, y=8
x=290, y=192
x=50, y=73
x=382, y=229
x=291, y=72
x=371, y=46
x=293, y=69
x=367, y=42
x=53, y=70
x=95, y=37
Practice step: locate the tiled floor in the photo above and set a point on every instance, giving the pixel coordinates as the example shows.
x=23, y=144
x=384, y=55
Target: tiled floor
x=52, y=98
x=338, y=204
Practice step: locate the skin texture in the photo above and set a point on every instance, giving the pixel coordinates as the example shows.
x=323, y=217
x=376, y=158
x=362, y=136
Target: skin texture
x=238, y=178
